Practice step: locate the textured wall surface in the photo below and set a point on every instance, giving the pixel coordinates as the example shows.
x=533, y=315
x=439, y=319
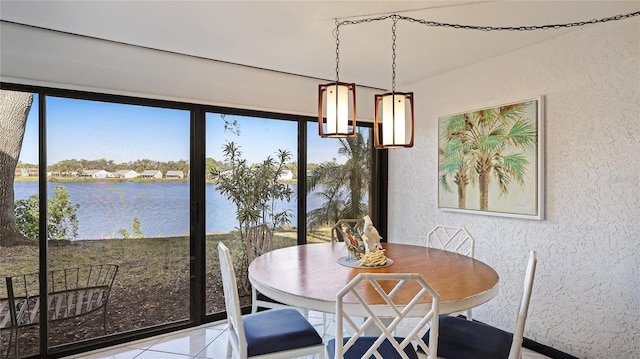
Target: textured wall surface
x=587, y=287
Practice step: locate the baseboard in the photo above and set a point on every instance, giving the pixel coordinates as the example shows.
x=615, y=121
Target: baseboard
x=545, y=350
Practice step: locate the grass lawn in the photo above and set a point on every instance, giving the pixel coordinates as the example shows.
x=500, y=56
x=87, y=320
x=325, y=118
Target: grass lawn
x=150, y=288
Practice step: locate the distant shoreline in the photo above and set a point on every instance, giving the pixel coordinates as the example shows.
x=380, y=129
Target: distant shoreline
x=118, y=180
x=80, y=180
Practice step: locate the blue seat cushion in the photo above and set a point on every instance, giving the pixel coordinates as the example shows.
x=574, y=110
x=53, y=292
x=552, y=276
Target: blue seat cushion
x=363, y=344
x=464, y=339
x=278, y=330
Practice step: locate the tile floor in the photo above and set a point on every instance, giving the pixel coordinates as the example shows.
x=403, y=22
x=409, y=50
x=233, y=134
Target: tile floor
x=206, y=341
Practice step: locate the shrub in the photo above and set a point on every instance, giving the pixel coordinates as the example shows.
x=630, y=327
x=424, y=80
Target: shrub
x=62, y=216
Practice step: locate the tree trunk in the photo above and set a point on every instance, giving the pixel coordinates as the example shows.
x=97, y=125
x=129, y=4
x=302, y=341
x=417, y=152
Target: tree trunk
x=462, y=180
x=14, y=108
x=483, y=180
x=484, y=168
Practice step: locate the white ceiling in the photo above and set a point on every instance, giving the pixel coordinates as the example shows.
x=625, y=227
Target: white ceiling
x=296, y=36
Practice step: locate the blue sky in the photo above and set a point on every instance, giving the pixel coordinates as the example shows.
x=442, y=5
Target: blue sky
x=79, y=129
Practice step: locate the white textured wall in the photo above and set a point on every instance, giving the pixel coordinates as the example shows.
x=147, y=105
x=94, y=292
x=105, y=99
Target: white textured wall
x=586, y=298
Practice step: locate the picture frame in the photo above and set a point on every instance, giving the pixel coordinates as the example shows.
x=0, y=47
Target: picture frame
x=491, y=160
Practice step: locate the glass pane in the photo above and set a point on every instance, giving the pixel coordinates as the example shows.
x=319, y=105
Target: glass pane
x=18, y=231
x=338, y=181
x=118, y=203
x=251, y=179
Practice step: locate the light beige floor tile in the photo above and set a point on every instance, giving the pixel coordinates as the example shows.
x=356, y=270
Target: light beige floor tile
x=150, y=354
x=143, y=344
x=187, y=343
x=114, y=353
x=210, y=341
x=216, y=349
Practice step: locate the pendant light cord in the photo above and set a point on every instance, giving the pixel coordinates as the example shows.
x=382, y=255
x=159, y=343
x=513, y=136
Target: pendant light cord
x=396, y=17
x=393, y=54
x=337, y=36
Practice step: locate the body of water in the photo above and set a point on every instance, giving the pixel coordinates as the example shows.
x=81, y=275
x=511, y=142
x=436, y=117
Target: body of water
x=163, y=208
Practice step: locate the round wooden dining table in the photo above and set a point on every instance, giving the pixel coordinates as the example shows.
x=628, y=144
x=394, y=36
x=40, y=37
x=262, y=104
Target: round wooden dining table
x=309, y=276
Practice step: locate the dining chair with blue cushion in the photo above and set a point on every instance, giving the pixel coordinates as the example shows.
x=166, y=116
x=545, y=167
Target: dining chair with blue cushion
x=397, y=296
x=463, y=339
x=277, y=333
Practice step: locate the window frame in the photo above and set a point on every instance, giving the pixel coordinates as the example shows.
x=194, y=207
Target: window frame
x=197, y=181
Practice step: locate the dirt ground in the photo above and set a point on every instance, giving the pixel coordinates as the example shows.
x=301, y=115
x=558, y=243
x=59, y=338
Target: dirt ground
x=129, y=308
x=155, y=306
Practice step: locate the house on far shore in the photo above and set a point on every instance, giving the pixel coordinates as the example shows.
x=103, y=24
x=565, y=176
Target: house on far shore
x=126, y=174
x=286, y=175
x=95, y=174
x=174, y=174
x=151, y=174
x=26, y=172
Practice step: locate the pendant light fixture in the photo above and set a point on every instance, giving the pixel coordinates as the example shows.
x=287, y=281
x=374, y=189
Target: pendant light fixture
x=393, y=115
x=393, y=121
x=337, y=103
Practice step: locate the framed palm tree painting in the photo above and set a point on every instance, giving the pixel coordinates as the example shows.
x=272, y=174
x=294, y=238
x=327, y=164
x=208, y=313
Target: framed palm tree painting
x=491, y=160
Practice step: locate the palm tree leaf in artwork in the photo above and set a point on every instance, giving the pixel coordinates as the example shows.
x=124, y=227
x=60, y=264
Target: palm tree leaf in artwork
x=503, y=179
x=455, y=126
x=490, y=143
x=509, y=113
x=516, y=165
x=523, y=134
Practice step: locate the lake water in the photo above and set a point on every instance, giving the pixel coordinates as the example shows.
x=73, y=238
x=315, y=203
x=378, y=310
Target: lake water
x=163, y=208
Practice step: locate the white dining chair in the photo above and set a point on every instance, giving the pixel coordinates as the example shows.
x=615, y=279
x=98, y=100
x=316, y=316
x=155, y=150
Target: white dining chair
x=384, y=318
x=463, y=339
x=453, y=239
x=260, y=241
x=278, y=333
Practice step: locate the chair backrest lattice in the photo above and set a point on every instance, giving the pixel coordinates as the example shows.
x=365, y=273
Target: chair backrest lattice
x=259, y=241
x=518, y=333
x=232, y=301
x=338, y=231
x=401, y=295
x=453, y=239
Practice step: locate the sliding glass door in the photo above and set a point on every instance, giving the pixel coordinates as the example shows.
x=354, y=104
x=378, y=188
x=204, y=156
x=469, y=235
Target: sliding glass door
x=118, y=208
x=251, y=173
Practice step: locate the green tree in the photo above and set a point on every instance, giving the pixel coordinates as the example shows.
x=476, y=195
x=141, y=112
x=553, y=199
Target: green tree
x=344, y=185
x=254, y=189
x=27, y=214
x=62, y=216
x=137, y=233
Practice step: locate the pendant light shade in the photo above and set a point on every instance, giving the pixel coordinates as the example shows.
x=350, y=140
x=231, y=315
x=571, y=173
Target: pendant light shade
x=393, y=121
x=337, y=110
